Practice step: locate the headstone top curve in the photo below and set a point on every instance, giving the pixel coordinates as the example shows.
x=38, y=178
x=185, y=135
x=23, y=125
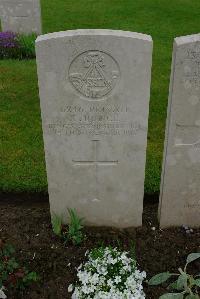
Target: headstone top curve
x=98, y=32
x=187, y=39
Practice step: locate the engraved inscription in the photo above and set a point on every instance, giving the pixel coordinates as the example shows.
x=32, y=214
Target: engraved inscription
x=192, y=72
x=94, y=74
x=192, y=206
x=92, y=129
x=192, y=203
x=93, y=120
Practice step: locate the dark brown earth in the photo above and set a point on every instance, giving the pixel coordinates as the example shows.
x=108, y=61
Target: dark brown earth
x=25, y=223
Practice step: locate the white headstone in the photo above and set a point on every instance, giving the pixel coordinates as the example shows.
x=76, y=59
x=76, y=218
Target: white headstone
x=180, y=187
x=94, y=92
x=20, y=16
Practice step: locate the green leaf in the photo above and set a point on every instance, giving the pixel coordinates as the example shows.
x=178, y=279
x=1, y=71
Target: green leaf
x=173, y=286
x=31, y=276
x=12, y=264
x=56, y=224
x=74, y=229
x=159, y=278
x=171, y=296
x=197, y=282
x=192, y=257
x=76, y=221
x=8, y=250
x=192, y=296
x=182, y=281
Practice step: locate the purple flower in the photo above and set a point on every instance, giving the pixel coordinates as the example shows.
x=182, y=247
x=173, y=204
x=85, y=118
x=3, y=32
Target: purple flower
x=8, y=40
x=16, y=46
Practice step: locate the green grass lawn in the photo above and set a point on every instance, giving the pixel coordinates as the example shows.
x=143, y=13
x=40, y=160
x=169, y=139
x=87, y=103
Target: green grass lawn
x=21, y=151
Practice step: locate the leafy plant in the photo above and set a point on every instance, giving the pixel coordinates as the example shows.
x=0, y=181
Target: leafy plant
x=185, y=286
x=11, y=274
x=108, y=273
x=27, y=45
x=74, y=232
x=57, y=224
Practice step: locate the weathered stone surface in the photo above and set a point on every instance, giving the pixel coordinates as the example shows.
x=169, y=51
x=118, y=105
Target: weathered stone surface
x=180, y=187
x=21, y=16
x=94, y=91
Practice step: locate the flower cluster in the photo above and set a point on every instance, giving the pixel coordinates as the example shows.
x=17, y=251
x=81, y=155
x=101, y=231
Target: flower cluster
x=108, y=274
x=9, y=44
x=18, y=46
x=8, y=40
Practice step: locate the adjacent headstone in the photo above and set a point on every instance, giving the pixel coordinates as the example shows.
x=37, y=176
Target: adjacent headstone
x=20, y=16
x=94, y=91
x=180, y=187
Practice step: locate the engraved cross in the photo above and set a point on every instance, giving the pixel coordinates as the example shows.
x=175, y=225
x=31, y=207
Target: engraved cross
x=195, y=144
x=95, y=162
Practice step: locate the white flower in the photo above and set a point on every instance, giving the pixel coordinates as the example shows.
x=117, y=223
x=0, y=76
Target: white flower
x=144, y=274
x=94, y=279
x=84, y=276
x=102, y=270
x=2, y=294
x=70, y=288
x=117, y=279
x=109, y=283
x=80, y=266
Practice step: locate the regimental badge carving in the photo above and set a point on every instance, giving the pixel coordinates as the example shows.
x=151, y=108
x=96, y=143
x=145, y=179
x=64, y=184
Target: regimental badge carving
x=94, y=74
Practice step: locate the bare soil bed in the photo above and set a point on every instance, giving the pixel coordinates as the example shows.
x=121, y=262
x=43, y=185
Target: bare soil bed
x=25, y=223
